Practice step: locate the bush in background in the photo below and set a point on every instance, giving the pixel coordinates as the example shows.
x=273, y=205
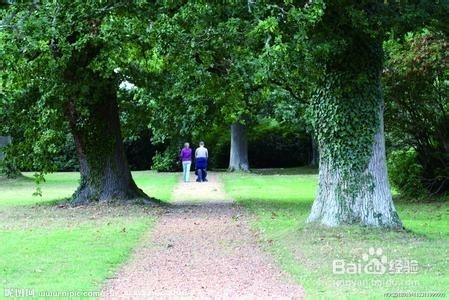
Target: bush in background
x=416, y=87
x=8, y=168
x=140, y=151
x=274, y=146
x=166, y=161
x=406, y=173
x=66, y=159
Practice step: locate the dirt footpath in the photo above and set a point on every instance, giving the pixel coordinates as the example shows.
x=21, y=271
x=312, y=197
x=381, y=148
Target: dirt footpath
x=201, y=247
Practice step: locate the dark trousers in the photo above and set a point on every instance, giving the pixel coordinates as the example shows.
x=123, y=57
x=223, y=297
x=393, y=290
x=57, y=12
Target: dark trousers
x=201, y=167
x=202, y=174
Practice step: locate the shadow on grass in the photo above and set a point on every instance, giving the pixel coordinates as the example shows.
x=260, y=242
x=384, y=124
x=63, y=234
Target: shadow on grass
x=18, y=179
x=286, y=171
x=272, y=171
x=399, y=199
x=68, y=203
x=294, y=206
x=300, y=210
x=268, y=210
x=54, y=202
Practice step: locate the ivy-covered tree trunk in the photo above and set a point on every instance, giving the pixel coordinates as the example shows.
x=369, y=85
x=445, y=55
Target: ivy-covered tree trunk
x=105, y=175
x=238, y=160
x=353, y=181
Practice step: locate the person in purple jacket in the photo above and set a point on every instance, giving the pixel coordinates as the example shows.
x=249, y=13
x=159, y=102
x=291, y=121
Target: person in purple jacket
x=186, y=158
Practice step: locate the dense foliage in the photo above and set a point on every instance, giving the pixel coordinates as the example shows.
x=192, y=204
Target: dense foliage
x=61, y=68
x=416, y=80
x=187, y=71
x=55, y=54
x=406, y=173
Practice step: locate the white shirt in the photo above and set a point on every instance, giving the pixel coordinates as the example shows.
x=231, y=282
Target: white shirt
x=201, y=151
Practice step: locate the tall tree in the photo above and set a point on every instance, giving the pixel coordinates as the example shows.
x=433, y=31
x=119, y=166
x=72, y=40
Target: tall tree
x=347, y=108
x=347, y=112
x=337, y=54
x=68, y=55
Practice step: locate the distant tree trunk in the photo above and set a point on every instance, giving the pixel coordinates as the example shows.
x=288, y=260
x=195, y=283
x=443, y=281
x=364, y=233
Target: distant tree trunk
x=238, y=160
x=315, y=155
x=8, y=166
x=369, y=204
x=105, y=176
x=4, y=141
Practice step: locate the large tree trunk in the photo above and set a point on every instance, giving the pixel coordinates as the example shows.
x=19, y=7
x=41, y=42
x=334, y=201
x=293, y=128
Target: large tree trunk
x=341, y=201
x=347, y=116
x=105, y=176
x=238, y=160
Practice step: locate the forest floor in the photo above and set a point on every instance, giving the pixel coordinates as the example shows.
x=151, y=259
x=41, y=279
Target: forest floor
x=202, y=246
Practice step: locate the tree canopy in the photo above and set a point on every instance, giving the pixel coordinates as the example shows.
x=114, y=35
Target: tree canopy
x=103, y=69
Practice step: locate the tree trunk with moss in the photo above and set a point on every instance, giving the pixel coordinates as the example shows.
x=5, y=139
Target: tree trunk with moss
x=238, y=160
x=353, y=181
x=105, y=175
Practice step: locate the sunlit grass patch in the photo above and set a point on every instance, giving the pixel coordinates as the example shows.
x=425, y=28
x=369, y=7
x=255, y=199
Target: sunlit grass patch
x=281, y=203
x=46, y=246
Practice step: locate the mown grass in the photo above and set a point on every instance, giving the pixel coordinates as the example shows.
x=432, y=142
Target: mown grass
x=281, y=204
x=49, y=247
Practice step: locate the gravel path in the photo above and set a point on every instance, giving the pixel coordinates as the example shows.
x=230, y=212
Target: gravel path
x=201, y=247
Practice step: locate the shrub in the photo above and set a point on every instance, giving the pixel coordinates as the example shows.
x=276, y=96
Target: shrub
x=405, y=172
x=140, y=150
x=8, y=168
x=66, y=158
x=275, y=146
x=166, y=161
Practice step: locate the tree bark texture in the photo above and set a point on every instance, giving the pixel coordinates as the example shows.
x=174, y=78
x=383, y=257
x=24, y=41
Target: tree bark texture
x=105, y=175
x=371, y=203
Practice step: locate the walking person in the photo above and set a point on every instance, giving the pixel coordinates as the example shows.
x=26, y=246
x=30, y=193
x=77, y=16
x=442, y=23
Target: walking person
x=201, y=156
x=186, y=158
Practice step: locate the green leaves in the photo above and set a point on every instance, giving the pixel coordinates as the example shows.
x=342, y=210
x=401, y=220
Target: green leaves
x=417, y=106
x=269, y=25
x=62, y=54
x=197, y=64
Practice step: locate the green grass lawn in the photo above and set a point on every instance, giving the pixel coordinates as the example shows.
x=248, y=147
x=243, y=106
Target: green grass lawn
x=281, y=204
x=47, y=247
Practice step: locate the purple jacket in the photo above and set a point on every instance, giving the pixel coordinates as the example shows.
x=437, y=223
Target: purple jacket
x=186, y=154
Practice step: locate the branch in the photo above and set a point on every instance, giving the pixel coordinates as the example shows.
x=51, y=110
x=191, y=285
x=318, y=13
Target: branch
x=287, y=88
x=250, y=3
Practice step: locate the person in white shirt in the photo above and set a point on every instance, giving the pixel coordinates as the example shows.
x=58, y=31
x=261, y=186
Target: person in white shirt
x=201, y=156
